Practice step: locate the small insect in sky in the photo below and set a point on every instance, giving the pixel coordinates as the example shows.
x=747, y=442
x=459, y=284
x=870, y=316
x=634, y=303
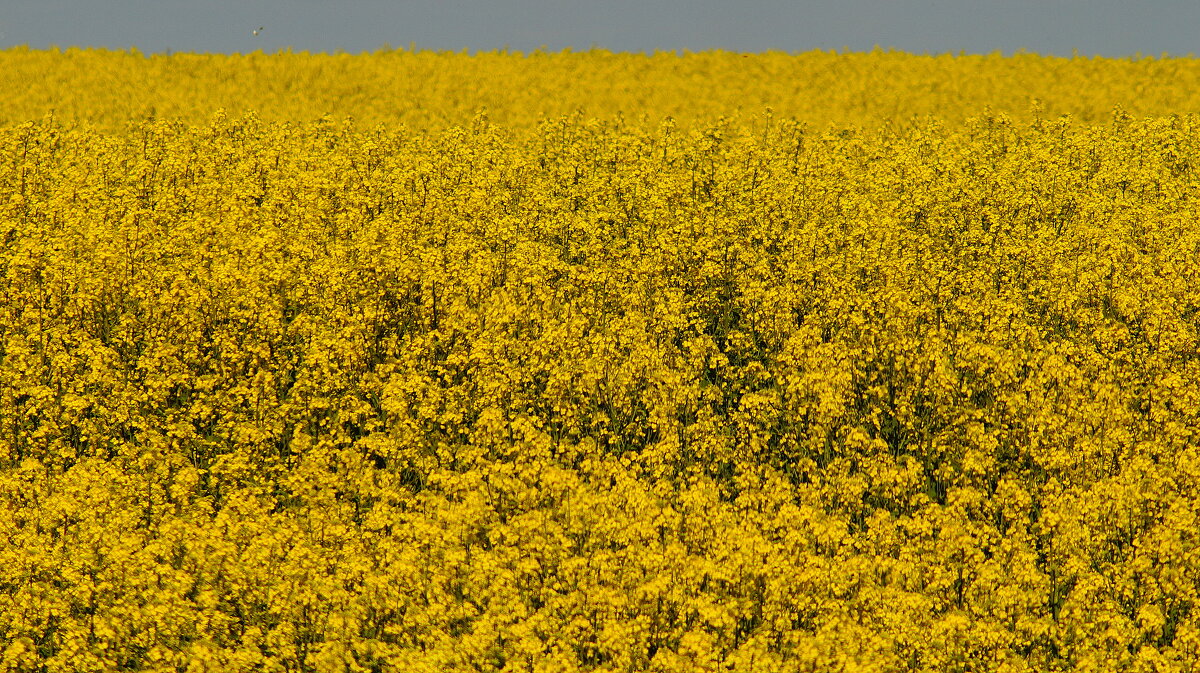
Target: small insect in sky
x=256, y=32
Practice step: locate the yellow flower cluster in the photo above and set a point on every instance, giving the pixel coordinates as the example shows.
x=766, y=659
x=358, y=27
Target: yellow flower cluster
x=427, y=90
x=589, y=393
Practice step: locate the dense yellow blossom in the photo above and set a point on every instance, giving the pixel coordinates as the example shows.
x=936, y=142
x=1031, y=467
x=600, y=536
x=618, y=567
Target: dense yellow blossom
x=428, y=90
x=824, y=388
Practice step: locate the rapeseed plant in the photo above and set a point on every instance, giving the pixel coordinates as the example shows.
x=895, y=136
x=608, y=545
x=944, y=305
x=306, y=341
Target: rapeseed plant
x=555, y=390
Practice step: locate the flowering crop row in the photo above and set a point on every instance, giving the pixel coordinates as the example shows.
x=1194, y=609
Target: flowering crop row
x=600, y=395
x=426, y=90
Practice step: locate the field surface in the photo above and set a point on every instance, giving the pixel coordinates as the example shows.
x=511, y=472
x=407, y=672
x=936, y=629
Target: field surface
x=599, y=362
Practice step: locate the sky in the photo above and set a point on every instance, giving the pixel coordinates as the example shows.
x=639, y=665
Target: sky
x=1114, y=28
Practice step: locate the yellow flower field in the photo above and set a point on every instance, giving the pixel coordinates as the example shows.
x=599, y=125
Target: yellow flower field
x=599, y=362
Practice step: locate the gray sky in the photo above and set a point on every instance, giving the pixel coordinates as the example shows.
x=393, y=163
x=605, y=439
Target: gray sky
x=1103, y=27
